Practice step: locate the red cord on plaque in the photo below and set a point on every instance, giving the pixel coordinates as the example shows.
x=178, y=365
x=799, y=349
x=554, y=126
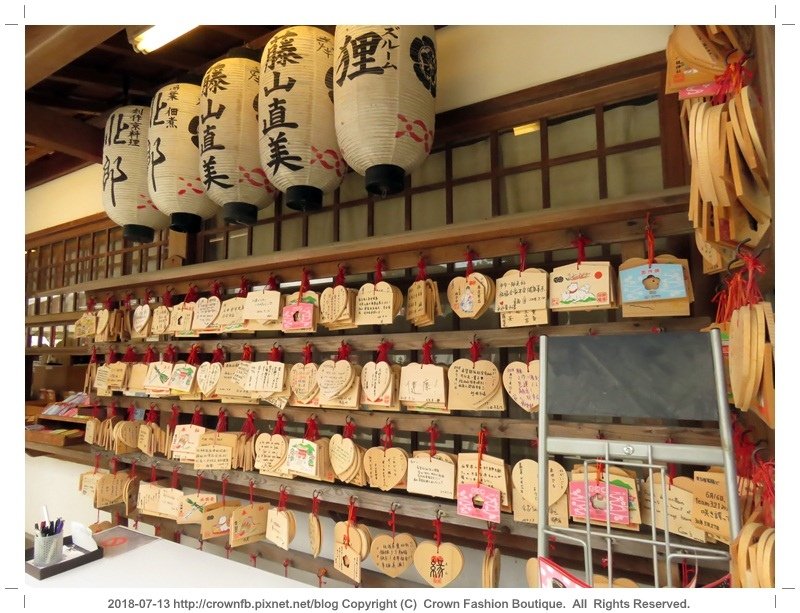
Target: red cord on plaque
x=580, y=243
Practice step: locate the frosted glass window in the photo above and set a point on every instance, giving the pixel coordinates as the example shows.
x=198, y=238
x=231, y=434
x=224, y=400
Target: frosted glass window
x=291, y=234
x=629, y=123
x=213, y=249
x=634, y=172
x=432, y=170
x=263, y=239
x=390, y=216
x=353, y=223
x=352, y=187
x=572, y=136
x=471, y=159
x=320, y=227
x=521, y=192
x=574, y=183
x=472, y=202
x=428, y=210
x=518, y=150
x=237, y=243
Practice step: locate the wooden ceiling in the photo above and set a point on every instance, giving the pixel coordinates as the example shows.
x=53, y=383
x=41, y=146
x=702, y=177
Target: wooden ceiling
x=76, y=75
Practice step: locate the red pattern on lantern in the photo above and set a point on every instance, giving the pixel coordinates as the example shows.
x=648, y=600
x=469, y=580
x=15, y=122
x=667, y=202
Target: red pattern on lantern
x=411, y=127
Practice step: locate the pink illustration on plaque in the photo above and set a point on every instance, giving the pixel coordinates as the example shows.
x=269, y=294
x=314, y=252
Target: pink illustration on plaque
x=601, y=502
x=478, y=502
x=551, y=575
x=298, y=316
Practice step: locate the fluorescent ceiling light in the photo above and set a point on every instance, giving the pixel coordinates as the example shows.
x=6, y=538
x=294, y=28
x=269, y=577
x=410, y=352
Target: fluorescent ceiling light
x=150, y=38
x=526, y=128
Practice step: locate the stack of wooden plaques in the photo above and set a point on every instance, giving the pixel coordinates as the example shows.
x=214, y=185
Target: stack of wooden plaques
x=521, y=298
x=271, y=452
x=750, y=360
x=422, y=303
x=347, y=460
x=337, y=308
x=753, y=556
x=471, y=296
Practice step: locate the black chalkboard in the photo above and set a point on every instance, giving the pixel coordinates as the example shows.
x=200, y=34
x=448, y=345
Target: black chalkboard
x=668, y=375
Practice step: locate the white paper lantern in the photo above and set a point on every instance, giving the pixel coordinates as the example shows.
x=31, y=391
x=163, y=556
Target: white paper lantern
x=174, y=183
x=229, y=160
x=298, y=142
x=383, y=95
x=125, y=196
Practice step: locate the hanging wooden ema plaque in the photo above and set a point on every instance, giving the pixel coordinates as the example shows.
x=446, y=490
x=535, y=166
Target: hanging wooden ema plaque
x=217, y=516
x=432, y=472
x=339, y=381
x=582, y=286
x=438, y=563
x=522, y=294
x=380, y=382
x=206, y=311
x=301, y=313
x=230, y=387
x=272, y=451
x=478, y=500
x=386, y=466
x=209, y=373
x=86, y=326
x=656, y=286
x=303, y=381
x=194, y=505
x=281, y=524
x=309, y=456
x=314, y=527
x=348, y=545
x=137, y=373
x=248, y=522
x=183, y=380
x=156, y=381
x=474, y=384
x=107, y=329
x=186, y=439
x=337, y=304
x=378, y=303
x=609, y=492
x=161, y=316
x=152, y=439
x=347, y=458
x=422, y=301
x=490, y=576
x=182, y=315
x=470, y=296
x=525, y=496
x=231, y=314
x=521, y=380
x=494, y=472
x=423, y=387
x=125, y=434
x=262, y=309
x=141, y=318
x=394, y=554
x=267, y=377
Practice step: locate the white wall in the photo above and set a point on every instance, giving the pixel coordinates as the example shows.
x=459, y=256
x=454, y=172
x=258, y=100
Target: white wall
x=475, y=63
x=481, y=62
x=69, y=197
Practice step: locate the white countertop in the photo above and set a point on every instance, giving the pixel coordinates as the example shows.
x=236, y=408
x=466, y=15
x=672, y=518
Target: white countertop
x=163, y=563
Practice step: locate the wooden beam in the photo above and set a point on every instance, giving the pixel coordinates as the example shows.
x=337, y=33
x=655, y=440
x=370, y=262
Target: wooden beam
x=49, y=48
x=71, y=136
x=104, y=78
x=51, y=167
x=33, y=153
x=67, y=104
x=611, y=220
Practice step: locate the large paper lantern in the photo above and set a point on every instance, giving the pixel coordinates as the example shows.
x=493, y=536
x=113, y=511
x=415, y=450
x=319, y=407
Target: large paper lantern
x=229, y=160
x=298, y=143
x=383, y=96
x=125, y=196
x=175, y=185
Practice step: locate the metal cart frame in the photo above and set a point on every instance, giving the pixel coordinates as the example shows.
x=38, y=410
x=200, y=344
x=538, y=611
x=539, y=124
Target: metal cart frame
x=641, y=455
